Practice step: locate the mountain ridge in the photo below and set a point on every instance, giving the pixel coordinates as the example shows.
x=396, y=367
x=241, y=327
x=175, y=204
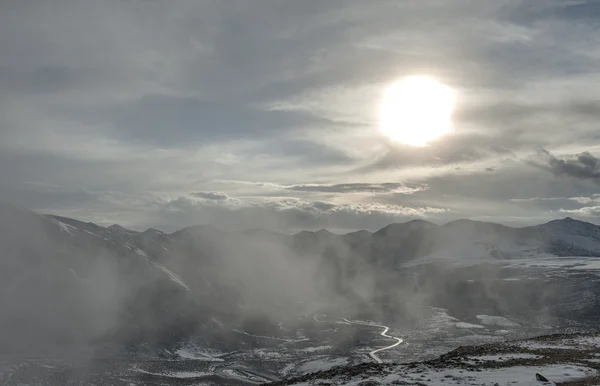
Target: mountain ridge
x=163, y=284
x=417, y=222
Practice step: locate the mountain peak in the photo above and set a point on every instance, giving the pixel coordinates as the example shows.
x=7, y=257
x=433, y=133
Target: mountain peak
x=117, y=227
x=323, y=232
x=416, y=224
x=152, y=231
x=568, y=221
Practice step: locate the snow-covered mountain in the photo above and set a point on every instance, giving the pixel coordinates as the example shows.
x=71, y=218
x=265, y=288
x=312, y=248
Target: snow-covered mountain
x=75, y=281
x=70, y=287
x=69, y=283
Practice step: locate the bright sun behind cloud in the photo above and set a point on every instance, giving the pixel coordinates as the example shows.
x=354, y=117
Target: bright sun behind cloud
x=416, y=110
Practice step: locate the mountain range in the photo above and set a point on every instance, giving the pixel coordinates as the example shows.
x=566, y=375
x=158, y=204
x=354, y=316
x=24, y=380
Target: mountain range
x=70, y=283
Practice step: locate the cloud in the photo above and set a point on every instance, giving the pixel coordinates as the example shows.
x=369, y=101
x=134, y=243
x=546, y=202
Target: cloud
x=281, y=213
x=388, y=187
x=459, y=148
x=586, y=211
x=580, y=200
x=356, y=187
x=583, y=166
x=116, y=103
x=217, y=196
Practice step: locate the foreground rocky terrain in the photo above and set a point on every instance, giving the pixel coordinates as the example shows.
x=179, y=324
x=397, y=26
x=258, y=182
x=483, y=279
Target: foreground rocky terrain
x=561, y=359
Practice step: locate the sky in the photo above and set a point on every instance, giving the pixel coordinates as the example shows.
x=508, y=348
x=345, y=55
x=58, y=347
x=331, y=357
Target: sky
x=263, y=113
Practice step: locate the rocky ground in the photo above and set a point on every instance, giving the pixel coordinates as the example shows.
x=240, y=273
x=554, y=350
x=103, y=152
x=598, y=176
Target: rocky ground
x=563, y=359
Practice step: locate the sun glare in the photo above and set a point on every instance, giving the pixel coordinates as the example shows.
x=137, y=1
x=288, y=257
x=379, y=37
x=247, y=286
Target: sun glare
x=416, y=110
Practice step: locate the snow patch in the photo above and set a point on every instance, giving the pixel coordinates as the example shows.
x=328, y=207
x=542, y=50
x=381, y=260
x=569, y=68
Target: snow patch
x=580, y=343
x=65, y=228
x=315, y=349
x=518, y=375
x=137, y=251
x=497, y=321
x=177, y=374
x=195, y=353
x=174, y=277
x=468, y=325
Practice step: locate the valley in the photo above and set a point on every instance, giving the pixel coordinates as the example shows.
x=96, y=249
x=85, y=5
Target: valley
x=207, y=307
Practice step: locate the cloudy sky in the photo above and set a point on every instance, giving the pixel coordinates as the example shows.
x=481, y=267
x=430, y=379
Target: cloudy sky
x=264, y=113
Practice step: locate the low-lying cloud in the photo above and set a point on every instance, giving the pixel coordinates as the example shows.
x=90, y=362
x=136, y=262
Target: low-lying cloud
x=584, y=166
x=283, y=213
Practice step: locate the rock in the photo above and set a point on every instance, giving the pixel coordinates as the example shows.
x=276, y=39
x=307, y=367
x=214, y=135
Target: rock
x=541, y=378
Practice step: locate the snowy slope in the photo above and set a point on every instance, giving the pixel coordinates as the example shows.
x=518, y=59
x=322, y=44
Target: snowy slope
x=63, y=280
x=557, y=358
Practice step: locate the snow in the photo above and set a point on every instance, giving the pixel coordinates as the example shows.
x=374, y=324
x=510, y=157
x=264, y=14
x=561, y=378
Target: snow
x=266, y=354
x=188, y=374
x=314, y=349
x=516, y=375
x=542, y=346
x=568, y=262
x=138, y=251
x=65, y=228
x=195, y=353
x=218, y=322
x=580, y=343
x=243, y=375
x=287, y=369
x=587, y=341
x=174, y=277
x=177, y=374
x=262, y=336
x=519, y=375
x=439, y=320
x=467, y=325
x=497, y=321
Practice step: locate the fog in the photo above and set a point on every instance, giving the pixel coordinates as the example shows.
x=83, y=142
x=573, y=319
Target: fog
x=108, y=303
x=71, y=287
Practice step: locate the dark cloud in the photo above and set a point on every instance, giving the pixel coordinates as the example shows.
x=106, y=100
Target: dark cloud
x=583, y=166
x=217, y=196
x=574, y=11
x=44, y=79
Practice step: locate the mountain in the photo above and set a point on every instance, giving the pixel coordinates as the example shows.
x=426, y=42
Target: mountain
x=67, y=283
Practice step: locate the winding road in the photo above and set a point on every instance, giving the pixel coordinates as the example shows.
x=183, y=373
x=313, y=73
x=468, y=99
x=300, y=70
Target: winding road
x=373, y=354
x=384, y=333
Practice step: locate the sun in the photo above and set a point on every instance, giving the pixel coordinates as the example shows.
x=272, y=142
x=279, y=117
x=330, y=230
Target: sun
x=416, y=110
